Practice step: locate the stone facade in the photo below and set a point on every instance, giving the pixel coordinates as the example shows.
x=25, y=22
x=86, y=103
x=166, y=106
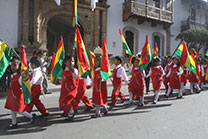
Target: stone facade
x=37, y=19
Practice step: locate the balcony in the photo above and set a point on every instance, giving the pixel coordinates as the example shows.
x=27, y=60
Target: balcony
x=190, y=24
x=145, y=12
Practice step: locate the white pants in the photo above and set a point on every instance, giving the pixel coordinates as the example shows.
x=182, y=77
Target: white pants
x=192, y=86
x=156, y=96
x=97, y=108
x=14, y=116
x=180, y=93
x=182, y=87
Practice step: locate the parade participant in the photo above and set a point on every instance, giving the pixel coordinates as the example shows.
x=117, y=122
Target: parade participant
x=167, y=69
x=15, y=99
x=203, y=72
x=81, y=95
x=156, y=73
x=184, y=79
x=119, y=73
x=36, y=81
x=69, y=86
x=136, y=85
x=99, y=97
x=175, y=77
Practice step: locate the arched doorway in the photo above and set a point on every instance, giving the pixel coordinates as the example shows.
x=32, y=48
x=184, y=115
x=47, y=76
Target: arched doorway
x=61, y=25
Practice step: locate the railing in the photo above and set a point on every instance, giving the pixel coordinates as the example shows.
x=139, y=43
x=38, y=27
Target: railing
x=131, y=8
x=189, y=24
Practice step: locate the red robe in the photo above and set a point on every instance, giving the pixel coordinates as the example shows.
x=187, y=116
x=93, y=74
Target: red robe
x=175, y=80
x=157, y=78
x=166, y=81
x=15, y=98
x=69, y=87
x=99, y=95
x=136, y=85
x=184, y=76
x=203, y=77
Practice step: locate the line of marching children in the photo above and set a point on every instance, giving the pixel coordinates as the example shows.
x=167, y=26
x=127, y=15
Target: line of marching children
x=73, y=87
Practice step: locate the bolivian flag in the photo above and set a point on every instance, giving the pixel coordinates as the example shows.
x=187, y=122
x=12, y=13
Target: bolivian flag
x=74, y=13
x=185, y=58
x=56, y=71
x=105, y=66
x=146, y=56
x=26, y=88
x=82, y=58
x=5, y=56
x=92, y=63
x=156, y=50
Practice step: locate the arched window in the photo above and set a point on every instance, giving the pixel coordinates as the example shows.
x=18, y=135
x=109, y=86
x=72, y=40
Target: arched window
x=158, y=38
x=130, y=40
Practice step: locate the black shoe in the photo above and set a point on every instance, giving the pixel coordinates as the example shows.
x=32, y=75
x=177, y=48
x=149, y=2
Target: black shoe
x=179, y=97
x=141, y=104
x=88, y=108
x=122, y=101
x=44, y=115
x=112, y=104
x=64, y=114
x=96, y=116
x=32, y=120
x=105, y=111
x=13, y=126
x=154, y=102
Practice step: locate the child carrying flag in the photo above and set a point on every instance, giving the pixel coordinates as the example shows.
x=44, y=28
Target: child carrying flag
x=136, y=85
x=184, y=78
x=36, y=81
x=69, y=86
x=15, y=99
x=175, y=77
x=119, y=73
x=99, y=97
x=156, y=73
x=167, y=69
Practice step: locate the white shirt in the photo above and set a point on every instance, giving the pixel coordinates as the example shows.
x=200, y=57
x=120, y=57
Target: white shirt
x=150, y=72
x=75, y=74
x=121, y=73
x=37, y=76
x=178, y=73
x=167, y=65
x=202, y=70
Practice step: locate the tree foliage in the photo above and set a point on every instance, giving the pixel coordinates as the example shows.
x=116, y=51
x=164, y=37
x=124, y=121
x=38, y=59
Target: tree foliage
x=196, y=38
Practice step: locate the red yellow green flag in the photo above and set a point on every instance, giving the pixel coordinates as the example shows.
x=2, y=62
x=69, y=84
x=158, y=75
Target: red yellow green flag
x=146, y=56
x=185, y=58
x=74, y=14
x=75, y=39
x=92, y=63
x=105, y=66
x=82, y=58
x=5, y=56
x=52, y=64
x=125, y=45
x=206, y=75
x=26, y=88
x=156, y=50
x=56, y=72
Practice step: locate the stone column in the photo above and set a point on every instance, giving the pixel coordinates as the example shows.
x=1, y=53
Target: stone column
x=20, y=19
x=104, y=24
x=168, y=39
x=96, y=28
x=25, y=22
x=35, y=27
x=44, y=38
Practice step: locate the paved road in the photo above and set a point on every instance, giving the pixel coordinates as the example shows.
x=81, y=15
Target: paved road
x=169, y=119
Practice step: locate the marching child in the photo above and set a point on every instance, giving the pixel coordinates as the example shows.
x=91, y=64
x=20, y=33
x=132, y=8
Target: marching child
x=15, y=99
x=167, y=69
x=99, y=97
x=136, y=85
x=36, y=81
x=156, y=73
x=184, y=78
x=175, y=77
x=69, y=86
x=203, y=72
x=119, y=73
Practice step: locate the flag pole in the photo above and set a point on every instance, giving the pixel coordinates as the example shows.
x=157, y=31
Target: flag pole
x=177, y=47
x=12, y=49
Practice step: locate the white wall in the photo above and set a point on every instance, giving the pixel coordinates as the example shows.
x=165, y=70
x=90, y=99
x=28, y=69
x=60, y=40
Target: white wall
x=9, y=21
x=114, y=22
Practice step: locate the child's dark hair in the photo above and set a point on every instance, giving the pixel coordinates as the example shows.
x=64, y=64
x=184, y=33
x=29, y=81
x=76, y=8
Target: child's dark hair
x=67, y=57
x=119, y=59
x=175, y=57
x=16, y=58
x=36, y=61
x=155, y=60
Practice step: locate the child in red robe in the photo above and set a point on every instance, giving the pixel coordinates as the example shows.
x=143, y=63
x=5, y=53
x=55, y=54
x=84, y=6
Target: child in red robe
x=167, y=69
x=119, y=73
x=69, y=86
x=99, y=97
x=36, y=81
x=136, y=85
x=175, y=77
x=184, y=79
x=15, y=99
x=156, y=73
x=203, y=72
x=194, y=81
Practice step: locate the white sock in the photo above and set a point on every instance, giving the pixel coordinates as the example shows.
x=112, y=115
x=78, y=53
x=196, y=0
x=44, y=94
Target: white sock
x=192, y=87
x=97, y=109
x=182, y=87
x=142, y=99
x=130, y=97
x=156, y=96
x=14, y=117
x=26, y=114
x=180, y=94
x=169, y=90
